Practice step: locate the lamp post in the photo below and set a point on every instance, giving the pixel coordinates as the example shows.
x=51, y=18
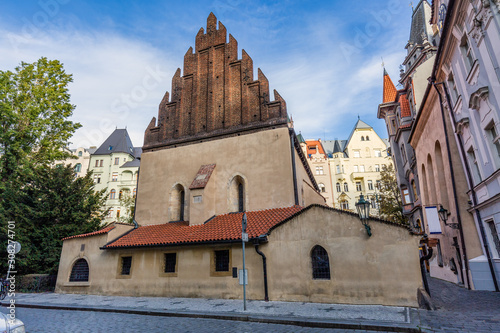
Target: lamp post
x=363, y=208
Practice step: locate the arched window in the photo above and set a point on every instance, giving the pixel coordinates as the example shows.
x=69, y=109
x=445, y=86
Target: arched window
x=177, y=204
x=80, y=154
x=112, y=194
x=237, y=190
x=80, y=271
x=78, y=167
x=346, y=187
x=120, y=195
x=339, y=189
x=320, y=263
x=362, y=138
x=241, y=192
x=367, y=138
x=322, y=187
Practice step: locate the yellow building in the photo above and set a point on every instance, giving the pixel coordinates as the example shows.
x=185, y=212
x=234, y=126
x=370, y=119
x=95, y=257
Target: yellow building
x=355, y=166
x=220, y=151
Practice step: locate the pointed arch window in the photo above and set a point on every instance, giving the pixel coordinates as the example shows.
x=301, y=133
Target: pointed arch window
x=80, y=271
x=241, y=192
x=320, y=263
x=237, y=196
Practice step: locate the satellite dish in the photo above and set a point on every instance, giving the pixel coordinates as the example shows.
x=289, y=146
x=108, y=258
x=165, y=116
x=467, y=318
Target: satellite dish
x=14, y=247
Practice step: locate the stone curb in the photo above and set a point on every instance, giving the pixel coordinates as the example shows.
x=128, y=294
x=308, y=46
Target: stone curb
x=303, y=322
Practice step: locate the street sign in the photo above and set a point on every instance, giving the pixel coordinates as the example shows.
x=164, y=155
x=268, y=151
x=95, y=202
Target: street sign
x=244, y=236
x=240, y=276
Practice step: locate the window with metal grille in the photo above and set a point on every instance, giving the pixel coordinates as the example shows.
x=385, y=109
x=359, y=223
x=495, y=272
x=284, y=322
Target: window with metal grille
x=126, y=265
x=320, y=263
x=80, y=271
x=222, y=261
x=170, y=262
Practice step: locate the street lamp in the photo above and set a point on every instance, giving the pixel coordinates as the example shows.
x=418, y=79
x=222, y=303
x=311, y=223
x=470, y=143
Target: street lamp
x=443, y=215
x=363, y=207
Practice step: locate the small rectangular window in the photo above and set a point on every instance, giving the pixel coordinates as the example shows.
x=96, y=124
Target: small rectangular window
x=377, y=167
x=406, y=196
x=96, y=163
x=358, y=186
x=197, y=199
x=117, y=160
x=355, y=168
x=378, y=153
x=338, y=168
x=361, y=168
x=222, y=261
x=357, y=153
x=370, y=185
x=101, y=163
x=170, y=262
x=114, y=177
x=126, y=265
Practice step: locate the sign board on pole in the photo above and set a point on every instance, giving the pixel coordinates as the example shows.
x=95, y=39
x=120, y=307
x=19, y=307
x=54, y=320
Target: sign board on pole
x=240, y=276
x=244, y=236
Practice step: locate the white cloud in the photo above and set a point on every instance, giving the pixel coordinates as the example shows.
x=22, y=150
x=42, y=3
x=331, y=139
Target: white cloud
x=118, y=82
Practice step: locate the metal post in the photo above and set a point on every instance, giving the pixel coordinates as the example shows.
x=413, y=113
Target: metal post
x=243, y=231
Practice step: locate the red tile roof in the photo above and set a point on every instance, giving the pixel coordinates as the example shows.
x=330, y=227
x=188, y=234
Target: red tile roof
x=225, y=227
x=405, y=126
x=311, y=144
x=202, y=177
x=98, y=232
x=390, y=91
x=405, y=106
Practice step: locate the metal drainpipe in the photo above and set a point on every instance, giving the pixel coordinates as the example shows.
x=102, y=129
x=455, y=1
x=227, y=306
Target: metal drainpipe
x=264, y=266
x=453, y=184
x=473, y=192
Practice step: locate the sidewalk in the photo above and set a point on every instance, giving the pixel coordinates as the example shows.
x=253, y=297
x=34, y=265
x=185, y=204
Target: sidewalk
x=360, y=317
x=459, y=310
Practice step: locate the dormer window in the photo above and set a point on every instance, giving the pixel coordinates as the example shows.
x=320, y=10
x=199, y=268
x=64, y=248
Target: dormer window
x=110, y=148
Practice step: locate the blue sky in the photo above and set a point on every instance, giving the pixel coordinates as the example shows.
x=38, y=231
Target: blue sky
x=323, y=57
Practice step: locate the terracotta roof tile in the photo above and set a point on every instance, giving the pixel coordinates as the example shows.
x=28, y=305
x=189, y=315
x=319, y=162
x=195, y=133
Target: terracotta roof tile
x=311, y=144
x=390, y=91
x=202, y=177
x=98, y=232
x=225, y=227
x=405, y=126
x=405, y=106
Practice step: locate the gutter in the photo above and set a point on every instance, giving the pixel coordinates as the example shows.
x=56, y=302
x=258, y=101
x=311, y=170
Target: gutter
x=294, y=169
x=136, y=225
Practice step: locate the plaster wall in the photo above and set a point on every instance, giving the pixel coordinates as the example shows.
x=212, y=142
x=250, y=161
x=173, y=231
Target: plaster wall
x=262, y=159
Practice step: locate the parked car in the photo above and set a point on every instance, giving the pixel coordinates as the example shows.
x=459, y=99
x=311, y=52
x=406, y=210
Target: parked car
x=10, y=326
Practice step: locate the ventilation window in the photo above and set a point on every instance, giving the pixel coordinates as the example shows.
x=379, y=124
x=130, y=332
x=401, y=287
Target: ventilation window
x=80, y=271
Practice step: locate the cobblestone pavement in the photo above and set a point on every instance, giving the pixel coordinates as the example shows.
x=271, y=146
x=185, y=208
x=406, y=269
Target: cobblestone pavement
x=64, y=321
x=459, y=310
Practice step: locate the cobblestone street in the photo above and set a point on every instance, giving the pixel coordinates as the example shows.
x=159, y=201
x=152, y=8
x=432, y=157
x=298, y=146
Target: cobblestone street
x=460, y=310
x=64, y=321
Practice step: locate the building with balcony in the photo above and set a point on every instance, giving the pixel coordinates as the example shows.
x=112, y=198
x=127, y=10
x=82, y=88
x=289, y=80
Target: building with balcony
x=355, y=166
x=115, y=167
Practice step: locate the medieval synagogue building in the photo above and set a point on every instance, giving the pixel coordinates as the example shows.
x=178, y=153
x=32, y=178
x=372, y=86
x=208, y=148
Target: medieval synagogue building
x=222, y=146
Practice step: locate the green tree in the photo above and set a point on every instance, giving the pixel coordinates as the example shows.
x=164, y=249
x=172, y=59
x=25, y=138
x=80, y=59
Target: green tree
x=391, y=206
x=34, y=129
x=127, y=203
x=55, y=205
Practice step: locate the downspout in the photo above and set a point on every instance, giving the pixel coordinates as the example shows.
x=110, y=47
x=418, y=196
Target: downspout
x=473, y=192
x=452, y=174
x=136, y=225
x=294, y=171
x=264, y=266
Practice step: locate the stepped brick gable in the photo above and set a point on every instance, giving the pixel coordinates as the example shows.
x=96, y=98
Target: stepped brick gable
x=216, y=95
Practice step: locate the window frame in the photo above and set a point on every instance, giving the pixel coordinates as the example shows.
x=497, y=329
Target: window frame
x=320, y=273
x=120, y=263
x=163, y=264
x=213, y=263
x=79, y=260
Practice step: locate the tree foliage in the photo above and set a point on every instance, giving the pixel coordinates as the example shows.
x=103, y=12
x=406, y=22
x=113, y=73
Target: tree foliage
x=46, y=203
x=127, y=203
x=391, y=205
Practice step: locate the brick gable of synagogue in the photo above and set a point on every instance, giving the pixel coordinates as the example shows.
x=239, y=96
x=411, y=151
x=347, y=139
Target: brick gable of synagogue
x=217, y=96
